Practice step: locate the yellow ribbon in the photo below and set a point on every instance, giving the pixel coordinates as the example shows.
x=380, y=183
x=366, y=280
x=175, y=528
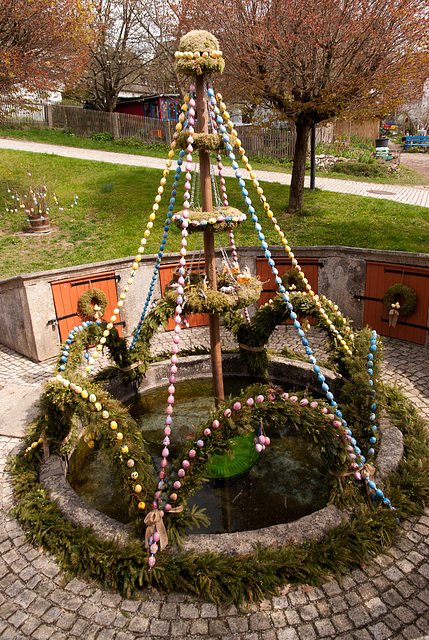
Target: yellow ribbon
x=154, y=520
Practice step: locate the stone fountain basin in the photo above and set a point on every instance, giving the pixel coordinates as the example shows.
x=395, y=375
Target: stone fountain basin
x=315, y=526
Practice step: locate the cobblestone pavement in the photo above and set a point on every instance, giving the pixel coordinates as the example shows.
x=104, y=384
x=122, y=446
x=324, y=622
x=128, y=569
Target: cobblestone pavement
x=418, y=195
x=387, y=599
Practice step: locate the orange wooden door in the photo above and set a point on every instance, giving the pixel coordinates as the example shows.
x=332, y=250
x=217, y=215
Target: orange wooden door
x=263, y=270
x=165, y=276
x=66, y=294
x=379, y=277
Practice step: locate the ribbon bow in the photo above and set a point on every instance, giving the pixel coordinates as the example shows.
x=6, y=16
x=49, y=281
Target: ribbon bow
x=393, y=317
x=154, y=520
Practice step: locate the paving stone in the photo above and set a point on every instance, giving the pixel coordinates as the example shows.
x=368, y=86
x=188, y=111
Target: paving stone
x=392, y=622
x=331, y=588
x=362, y=634
x=6, y=610
x=105, y=618
x=111, y=600
x=208, y=610
x=278, y=619
x=160, y=628
x=88, y=610
x=380, y=631
x=120, y=620
x=139, y=624
x=376, y=607
x=79, y=628
x=150, y=609
x=405, y=614
x=239, y=625
x=189, y=611
x=292, y=617
x=66, y=621
x=168, y=611
x=359, y=616
x=43, y=632
x=309, y=612
x=124, y=635
x=131, y=606
x=323, y=608
x=341, y=622
x=218, y=628
x=405, y=588
x=287, y=634
x=317, y=594
x=297, y=598
x=24, y=599
x=338, y=604
x=199, y=627
x=324, y=628
x=18, y=618
x=307, y=632
x=417, y=605
x=424, y=570
x=259, y=621
x=347, y=582
x=179, y=628
x=75, y=586
x=52, y=615
x=106, y=634
x=392, y=598
x=58, y=635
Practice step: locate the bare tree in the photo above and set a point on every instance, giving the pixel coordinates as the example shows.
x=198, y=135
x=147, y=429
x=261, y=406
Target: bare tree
x=316, y=59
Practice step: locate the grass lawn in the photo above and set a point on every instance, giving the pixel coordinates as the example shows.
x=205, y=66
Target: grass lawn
x=114, y=203
x=160, y=150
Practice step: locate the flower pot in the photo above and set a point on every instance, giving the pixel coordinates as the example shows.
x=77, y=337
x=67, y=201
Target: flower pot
x=40, y=224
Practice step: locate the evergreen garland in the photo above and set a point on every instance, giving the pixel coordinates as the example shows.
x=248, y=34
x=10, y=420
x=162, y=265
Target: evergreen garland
x=219, y=578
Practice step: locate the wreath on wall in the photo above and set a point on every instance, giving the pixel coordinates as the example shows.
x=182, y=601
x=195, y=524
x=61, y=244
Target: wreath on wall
x=290, y=278
x=410, y=298
x=89, y=311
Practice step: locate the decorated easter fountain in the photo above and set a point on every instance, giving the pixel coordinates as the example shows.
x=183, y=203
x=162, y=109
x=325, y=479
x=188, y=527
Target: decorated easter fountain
x=159, y=507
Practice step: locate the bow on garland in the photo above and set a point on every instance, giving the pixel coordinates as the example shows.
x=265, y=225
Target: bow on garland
x=154, y=522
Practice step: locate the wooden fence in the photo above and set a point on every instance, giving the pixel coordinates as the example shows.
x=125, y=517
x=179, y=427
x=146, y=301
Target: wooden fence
x=270, y=142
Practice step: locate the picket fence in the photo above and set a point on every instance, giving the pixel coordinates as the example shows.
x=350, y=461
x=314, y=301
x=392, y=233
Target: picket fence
x=268, y=142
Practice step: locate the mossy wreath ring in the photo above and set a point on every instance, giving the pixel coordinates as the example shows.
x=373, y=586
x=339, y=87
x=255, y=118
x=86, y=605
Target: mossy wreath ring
x=220, y=219
x=198, y=301
x=292, y=275
x=410, y=298
x=87, y=299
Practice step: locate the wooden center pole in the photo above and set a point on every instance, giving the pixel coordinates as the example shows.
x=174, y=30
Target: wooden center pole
x=209, y=248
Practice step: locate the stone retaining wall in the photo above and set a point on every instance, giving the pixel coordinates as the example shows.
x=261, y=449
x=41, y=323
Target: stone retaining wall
x=27, y=305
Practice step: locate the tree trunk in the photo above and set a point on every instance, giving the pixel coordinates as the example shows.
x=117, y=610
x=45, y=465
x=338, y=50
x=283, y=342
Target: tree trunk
x=296, y=196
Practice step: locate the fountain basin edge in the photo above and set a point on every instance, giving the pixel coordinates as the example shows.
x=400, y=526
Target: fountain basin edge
x=52, y=473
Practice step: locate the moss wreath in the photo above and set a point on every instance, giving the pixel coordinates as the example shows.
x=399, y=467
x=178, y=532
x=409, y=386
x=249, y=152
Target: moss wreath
x=209, y=301
x=292, y=274
x=220, y=219
x=409, y=295
x=84, y=306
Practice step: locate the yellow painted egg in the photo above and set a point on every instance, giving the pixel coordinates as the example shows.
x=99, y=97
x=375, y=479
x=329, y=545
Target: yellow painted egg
x=138, y=488
x=113, y=424
x=142, y=506
x=119, y=436
x=124, y=449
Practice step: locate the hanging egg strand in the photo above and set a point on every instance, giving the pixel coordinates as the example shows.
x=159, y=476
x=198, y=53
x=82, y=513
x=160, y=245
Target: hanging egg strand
x=270, y=215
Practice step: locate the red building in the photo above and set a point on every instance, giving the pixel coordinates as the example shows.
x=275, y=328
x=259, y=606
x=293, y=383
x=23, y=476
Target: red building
x=160, y=105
